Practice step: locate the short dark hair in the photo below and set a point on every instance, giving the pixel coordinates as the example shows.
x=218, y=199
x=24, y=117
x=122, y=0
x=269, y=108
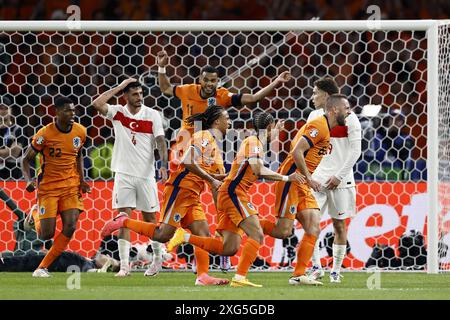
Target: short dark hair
x=61, y=102
x=328, y=85
x=209, y=69
x=262, y=120
x=333, y=99
x=132, y=85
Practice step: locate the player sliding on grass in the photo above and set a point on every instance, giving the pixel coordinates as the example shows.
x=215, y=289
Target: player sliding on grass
x=295, y=200
x=236, y=215
x=181, y=196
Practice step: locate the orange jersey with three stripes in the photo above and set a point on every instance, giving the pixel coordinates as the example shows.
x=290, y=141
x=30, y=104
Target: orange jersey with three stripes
x=58, y=152
x=193, y=103
x=207, y=155
x=317, y=133
x=241, y=176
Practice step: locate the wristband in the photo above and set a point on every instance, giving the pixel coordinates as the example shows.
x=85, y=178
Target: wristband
x=285, y=178
x=161, y=69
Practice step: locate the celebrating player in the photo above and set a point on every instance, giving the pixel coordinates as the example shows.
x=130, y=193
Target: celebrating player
x=196, y=97
x=236, y=215
x=138, y=132
x=60, y=180
x=295, y=200
x=335, y=173
x=181, y=204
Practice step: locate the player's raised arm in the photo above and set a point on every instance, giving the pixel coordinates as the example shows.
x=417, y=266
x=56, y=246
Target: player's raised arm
x=262, y=171
x=264, y=92
x=298, y=153
x=100, y=103
x=164, y=82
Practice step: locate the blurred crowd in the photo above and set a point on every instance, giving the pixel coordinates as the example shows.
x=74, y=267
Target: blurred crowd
x=226, y=9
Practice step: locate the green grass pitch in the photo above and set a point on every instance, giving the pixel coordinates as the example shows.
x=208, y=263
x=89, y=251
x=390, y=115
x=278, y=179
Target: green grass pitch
x=180, y=286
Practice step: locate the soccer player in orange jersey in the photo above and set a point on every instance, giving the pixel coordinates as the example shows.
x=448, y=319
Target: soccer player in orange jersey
x=181, y=197
x=236, y=215
x=195, y=98
x=60, y=181
x=295, y=200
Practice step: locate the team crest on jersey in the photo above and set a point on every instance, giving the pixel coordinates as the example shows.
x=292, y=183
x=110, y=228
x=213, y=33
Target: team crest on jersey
x=42, y=210
x=177, y=217
x=313, y=132
x=211, y=101
x=40, y=140
x=205, y=142
x=292, y=209
x=76, y=142
x=250, y=206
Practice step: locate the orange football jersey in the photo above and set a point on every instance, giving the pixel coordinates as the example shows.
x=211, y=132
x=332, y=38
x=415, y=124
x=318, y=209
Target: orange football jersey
x=209, y=158
x=193, y=103
x=58, y=152
x=241, y=176
x=317, y=133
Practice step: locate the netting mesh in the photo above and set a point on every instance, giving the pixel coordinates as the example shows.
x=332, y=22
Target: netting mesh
x=444, y=142
x=382, y=68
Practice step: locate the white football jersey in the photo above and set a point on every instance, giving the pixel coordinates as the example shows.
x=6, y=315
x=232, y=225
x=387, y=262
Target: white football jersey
x=339, y=150
x=134, y=145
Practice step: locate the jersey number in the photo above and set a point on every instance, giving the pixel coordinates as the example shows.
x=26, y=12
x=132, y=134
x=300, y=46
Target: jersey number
x=133, y=139
x=55, y=152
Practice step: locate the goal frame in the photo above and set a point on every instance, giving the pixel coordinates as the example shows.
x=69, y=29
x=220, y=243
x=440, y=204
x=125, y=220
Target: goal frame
x=430, y=26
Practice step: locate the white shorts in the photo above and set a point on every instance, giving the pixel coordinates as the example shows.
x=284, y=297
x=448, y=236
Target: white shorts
x=340, y=204
x=133, y=192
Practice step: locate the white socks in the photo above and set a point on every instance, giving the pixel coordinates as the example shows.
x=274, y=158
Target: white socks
x=124, y=254
x=187, y=236
x=316, y=255
x=338, y=256
x=157, y=252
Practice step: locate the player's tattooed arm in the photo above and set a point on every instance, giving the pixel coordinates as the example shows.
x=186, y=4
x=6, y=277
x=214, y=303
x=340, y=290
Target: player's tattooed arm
x=298, y=153
x=162, y=150
x=84, y=186
x=260, y=170
x=190, y=162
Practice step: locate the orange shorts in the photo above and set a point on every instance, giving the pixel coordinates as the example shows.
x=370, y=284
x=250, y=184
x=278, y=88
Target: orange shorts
x=232, y=209
x=180, y=207
x=292, y=198
x=56, y=201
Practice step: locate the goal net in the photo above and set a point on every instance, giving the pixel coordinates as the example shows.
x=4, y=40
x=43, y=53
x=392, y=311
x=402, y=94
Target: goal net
x=388, y=67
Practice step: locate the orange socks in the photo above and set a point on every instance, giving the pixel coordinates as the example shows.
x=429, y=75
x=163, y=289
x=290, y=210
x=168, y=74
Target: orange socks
x=211, y=245
x=248, y=256
x=304, y=254
x=144, y=228
x=267, y=227
x=59, y=245
x=202, y=259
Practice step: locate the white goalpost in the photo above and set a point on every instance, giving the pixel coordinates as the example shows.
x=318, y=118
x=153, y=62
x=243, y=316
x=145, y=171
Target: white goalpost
x=403, y=176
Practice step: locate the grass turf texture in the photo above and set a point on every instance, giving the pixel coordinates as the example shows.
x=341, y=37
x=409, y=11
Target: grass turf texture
x=180, y=285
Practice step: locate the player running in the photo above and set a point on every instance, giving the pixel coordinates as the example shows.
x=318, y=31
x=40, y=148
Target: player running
x=335, y=173
x=181, y=196
x=60, y=179
x=295, y=200
x=236, y=215
x=138, y=132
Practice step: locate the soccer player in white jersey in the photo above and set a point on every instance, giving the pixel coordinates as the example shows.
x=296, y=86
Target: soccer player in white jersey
x=335, y=173
x=138, y=132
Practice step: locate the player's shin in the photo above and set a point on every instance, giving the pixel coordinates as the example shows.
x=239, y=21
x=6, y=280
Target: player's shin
x=124, y=254
x=338, y=257
x=248, y=256
x=212, y=245
x=59, y=245
x=316, y=255
x=304, y=254
x=143, y=228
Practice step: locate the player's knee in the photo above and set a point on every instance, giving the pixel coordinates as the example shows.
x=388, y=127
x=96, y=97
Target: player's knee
x=230, y=249
x=46, y=235
x=339, y=226
x=69, y=229
x=286, y=232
